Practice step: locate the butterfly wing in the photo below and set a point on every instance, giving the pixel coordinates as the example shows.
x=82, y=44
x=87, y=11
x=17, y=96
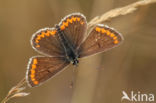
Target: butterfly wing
x=74, y=27
x=46, y=41
x=100, y=39
x=41, y=69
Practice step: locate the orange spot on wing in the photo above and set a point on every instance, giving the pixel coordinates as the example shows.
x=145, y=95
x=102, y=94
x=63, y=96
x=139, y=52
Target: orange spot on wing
x=74, y=18
x=97, y=29
x=103, y=30
x=35, y=61
x=116, y=42
x=32, y=71
x=33, y=66
x=42, y=35
x=32, y=76
x=33, y=79
x=62, y=27
x=81, y=23
x=112, y=35
x=53, y=32
x=37, y=46
x=115, y=37
x=108, y=32
x=38, y=37
x=65, y=23
x=48, y=33
x=35, y=82
x=78, y=19
x=69, y=20
x=36, y=41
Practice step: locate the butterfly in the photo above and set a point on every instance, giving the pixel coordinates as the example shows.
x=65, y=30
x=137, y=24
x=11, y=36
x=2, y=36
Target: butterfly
x=65, y=44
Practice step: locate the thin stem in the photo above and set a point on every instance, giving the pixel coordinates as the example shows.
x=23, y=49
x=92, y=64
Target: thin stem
x=119, y=11
x=14, y=90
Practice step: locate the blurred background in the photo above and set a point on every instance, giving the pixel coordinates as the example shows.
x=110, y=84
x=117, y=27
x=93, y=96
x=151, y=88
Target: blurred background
x=98, y=79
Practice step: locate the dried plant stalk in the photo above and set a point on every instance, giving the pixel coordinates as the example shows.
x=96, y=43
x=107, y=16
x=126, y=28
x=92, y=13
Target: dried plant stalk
x=16, y=91
x=118, y=11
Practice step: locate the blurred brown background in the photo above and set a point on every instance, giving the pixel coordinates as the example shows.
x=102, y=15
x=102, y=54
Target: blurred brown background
x=100, y=78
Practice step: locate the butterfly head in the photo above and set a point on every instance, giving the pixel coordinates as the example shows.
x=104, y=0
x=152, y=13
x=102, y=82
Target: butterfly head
x=75, y=62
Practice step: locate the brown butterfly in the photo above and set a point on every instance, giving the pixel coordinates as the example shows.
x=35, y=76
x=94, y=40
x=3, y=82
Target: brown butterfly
x=65, y=43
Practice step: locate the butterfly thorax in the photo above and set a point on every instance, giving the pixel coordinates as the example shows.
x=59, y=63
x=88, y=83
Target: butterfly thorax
x=70, y=52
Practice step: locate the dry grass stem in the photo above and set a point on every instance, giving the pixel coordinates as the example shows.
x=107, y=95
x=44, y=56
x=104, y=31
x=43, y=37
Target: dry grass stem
x=16, y=91
x=119, y=11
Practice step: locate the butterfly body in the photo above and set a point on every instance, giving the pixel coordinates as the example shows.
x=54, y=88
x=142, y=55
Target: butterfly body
x=66, y=43
x=69, y=49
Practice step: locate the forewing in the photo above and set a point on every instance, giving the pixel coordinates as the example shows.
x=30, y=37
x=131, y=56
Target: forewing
x=74, y=28
x=41, y=69
x=46, y=41
x=100, y=39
